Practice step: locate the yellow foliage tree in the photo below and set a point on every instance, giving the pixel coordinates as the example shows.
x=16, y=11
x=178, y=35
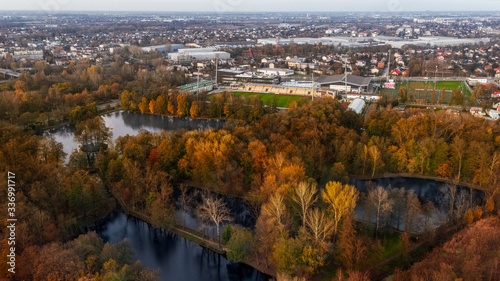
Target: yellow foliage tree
x=341, y=200
x=182, y=106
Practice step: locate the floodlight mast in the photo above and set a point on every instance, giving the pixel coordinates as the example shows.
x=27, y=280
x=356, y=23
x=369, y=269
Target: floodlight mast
x=389, y=66
x=216, y=70
x=197, y=79
x=345, y=76
x=312, y=85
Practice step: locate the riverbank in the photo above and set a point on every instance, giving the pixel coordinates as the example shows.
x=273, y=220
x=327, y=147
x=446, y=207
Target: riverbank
x=59, y=125
x=196, y=237
x=417, y=176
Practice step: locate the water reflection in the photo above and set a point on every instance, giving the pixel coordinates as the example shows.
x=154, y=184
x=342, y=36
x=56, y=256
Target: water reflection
x=426, y=190
x=124, y=123
x=175, y=257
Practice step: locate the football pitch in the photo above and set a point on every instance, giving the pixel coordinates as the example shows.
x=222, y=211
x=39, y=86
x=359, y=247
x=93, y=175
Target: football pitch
x=418, y=88
x=268, y=99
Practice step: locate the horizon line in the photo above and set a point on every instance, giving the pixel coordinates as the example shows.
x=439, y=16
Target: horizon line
x=231, y=12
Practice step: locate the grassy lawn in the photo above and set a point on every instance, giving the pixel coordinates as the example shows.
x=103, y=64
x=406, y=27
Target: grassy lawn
x=429, y=85
x=447, y=85
x=268, y=99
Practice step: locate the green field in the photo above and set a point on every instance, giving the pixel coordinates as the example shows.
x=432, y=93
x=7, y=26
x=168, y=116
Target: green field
x=447, y=85
x=429, y=85
x=268, y=99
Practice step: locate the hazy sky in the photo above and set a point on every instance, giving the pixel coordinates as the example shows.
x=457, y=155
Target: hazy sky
x=251, y=5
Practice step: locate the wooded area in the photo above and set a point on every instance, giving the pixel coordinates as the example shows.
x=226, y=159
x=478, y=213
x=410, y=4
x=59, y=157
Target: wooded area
x=293, y=166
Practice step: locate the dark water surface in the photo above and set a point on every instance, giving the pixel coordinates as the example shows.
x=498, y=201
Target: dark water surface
x=175, y=257
x=124, y=123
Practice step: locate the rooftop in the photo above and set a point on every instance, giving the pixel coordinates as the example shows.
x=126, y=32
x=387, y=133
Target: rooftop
x=341, y=78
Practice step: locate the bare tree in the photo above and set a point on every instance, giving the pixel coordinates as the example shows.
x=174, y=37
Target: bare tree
x=451, y=192
x=397, y=195
x=215, y=210
x=319, y=226
x=186, y=198
x=413, y=210
x=428, y=209
x=305, y=196
x=276, y=209
x=378, y=199
x=462, y=203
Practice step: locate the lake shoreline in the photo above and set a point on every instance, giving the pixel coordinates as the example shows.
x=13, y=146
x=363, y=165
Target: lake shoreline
x=176, y=230
x=413, y=176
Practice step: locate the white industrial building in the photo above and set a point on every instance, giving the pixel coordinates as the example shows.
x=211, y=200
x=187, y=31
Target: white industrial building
x=163, y=48
x=276, y=71
x=198, y=54
x=357, y=105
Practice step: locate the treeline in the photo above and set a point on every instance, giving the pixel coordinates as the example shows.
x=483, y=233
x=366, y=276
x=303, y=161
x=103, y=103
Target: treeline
x=221, y=105
x=53, y=202
x=40, y=100
x=324, y=141
x=293, y=166
x=84, y=258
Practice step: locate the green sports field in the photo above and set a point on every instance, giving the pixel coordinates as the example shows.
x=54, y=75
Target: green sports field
x=417, y=88
x=447, y=85
x=281, y=100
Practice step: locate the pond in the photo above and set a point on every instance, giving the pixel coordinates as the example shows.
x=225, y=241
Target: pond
x=124, y=123
x=175, y=257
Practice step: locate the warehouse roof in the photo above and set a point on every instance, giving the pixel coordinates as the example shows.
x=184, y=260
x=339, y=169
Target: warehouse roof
x=340, y=78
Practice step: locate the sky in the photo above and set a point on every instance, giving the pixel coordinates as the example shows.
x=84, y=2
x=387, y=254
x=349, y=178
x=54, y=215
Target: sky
x=252, y=5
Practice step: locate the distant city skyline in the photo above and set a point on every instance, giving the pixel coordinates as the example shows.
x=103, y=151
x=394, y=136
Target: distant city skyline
x=252, y=6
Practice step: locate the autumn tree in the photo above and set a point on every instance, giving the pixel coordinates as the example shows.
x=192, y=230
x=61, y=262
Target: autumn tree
x=478, y=212
x=125, y=98
x=341, y=200
x=182, y=106
x=351, y=247
x=144, y=105
x=375, y=154
x=92, y=134
x=161, y=104
x=194, y=111
x=152, y=106
x=469, y=217
x=404, y=247
x=239, y=245
x=403, y=94
x=413, y=210
x=442, y=96
x=171, y=105
x=458, y=145
x=490, y=205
